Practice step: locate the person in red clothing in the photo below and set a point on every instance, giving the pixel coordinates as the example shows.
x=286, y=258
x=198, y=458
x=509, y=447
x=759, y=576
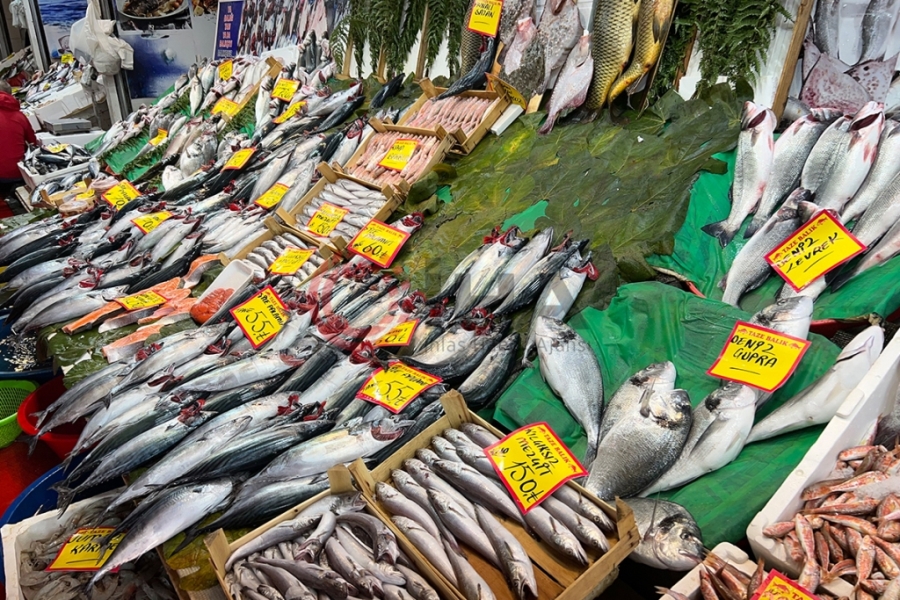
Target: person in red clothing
x=15, y=133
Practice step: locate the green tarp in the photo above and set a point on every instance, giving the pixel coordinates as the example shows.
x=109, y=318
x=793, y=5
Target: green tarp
x=652, y=322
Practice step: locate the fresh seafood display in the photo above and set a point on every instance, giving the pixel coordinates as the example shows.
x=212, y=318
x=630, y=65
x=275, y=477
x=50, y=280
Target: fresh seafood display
x=458, y=112
x=47, y=159
x=355, y=203
x=719, y=580
x=43, y=84
x=368, y=164
x=265, y=255
x=150, y=8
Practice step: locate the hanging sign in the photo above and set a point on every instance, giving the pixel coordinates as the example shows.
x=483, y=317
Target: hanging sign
x=289, y=112
x=161, y=135
x=379, y=242
x=120, y=195
x=819, y=246
x=290, y=261
x=326, y=219
x=399, y=155
x=228, y=23
x=485, y=17
x=261, y=317
x=778, y=587
x=759, y=357
x=239, y=159
x=226, y=69
x=272, y=196
x=399, y=335
x=396, y=386
x=285, y=89
x=150, y=222
x=146, y=299
x=81, y=552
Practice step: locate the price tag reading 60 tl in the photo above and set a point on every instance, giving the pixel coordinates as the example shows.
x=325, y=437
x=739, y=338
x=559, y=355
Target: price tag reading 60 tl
x=379, y=242
x=146, y=299
x=399, y=155
x=532, y=463
x=399, y=335
x=326, y=219
x=778, y=587
x=120, y=195
x=396, y=386
x=261, y=317
x=759, y=357
x=81, y=552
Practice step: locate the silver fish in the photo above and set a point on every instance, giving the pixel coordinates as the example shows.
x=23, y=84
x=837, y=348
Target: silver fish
x=670, y=537
x=514, y=559
x=880, y=176
x=478, y=280
x=517, y=266
x=429, y=546
x=876, y=29
x=826, y=26
x=472, y=585
x=462, y=526
x=828, y=148
x=658, y=377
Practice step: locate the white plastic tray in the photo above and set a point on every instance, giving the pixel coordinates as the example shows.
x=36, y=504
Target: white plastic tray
x=235, y=276
x=690, y=584
x=853, y=425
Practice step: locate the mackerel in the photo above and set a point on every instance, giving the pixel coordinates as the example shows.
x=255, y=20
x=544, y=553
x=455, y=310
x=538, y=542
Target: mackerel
x=477, y=281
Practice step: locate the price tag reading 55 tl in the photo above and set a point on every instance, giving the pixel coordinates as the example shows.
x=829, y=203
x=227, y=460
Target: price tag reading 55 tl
x=261, y=317
x=778, y=587
x=532, y=463
x=120, y=195
x=81, y=552
x=759, y=357
x=147, y=299
x=379, y=242
x=396, y=386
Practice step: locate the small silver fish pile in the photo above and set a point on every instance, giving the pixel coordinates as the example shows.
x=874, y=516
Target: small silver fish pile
x=45, y=84
x=719, y=580
x=458, y=112
x=849, y=525
x=367, y=164
x=268, y=252
x=451, y=495
x=362, y=202
x=332, y=549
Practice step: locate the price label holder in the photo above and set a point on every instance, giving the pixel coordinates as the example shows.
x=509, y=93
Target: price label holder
x=272, y=196
x=399, y=155
x=396, y=386
x=285, y=89
x=147, y=299
x=226, y=106
x=485, y=17
x=326, y=219
x=778, y=587
x=159, y=138
x=759, y=357
x=81, y=552
x=512, y=93
x=226, y=70
x=532, y=463
x=399, y=335
x=261, y=317
x=289, y=112
x=88, y=195
x=67, y=58
x=56, y=148
x=239, y=159
x=819, y=246
x=379, y=242
x=290, y=261
x=120, y=195
x=150, y=222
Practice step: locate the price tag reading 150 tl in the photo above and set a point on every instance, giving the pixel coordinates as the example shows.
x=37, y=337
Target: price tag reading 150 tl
x=396, y=386
x=532, y=463
x=261, y=317
x=759, y=357
x=379, y=242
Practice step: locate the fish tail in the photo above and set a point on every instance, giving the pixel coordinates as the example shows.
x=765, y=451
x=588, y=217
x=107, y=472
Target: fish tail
x=189, y=536
x=66, y=496
x=32, y=443
x=754, y=226
x=837, y=279
x=719, y=231
x=547, y=127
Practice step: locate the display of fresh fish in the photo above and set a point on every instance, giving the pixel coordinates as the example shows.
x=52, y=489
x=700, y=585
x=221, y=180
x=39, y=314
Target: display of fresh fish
x=572, y=84
x=654, y=19
x=670, y=537
x=612, y=35
x=880, y=176
x=659, y=377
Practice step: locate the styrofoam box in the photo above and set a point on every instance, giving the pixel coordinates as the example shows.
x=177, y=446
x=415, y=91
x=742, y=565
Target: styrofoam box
x=79, y=139
x=689, y=585
x=67, y=101
x=235, y=276
x=32, y=180
x=853, y=425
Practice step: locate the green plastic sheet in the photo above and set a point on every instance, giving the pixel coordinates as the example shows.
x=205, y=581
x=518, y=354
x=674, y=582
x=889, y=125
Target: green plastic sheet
x=701, y=259
x=652, y=322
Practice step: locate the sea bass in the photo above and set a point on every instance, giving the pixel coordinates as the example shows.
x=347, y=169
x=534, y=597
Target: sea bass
x=884, y=170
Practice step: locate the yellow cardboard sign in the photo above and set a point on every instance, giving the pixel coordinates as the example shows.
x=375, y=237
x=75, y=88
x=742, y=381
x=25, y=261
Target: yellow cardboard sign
x=145, y=299
x=79, y=185
x=261, y=317
x=56, y=148
x=150, y=222
x=759, y=357
x=272, y=196
x=512, y=93
x=819, y=246
x=67, y=58
x=485, y=17
x=81, y=552
x=399, y=335
x=532, y=463
x=88, y=195
x=396, y=386
x=290, y=261
x=285, y=89
x=120, y=195
x=159, y=138
x=379, y=242
x=289, y=112
x=239, y=159
x=326, y=219
x=226, y=106
x=778, y=587
x=226, y=69
x=399, y=155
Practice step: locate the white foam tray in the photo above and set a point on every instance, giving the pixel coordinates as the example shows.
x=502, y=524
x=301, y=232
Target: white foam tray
x=853, y=425
x=32, y=180
x=690, y=584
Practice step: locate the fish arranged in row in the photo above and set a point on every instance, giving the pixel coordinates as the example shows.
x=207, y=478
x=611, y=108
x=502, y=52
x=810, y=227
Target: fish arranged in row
x=458, y=112
x=368, y=165
x=353, y=203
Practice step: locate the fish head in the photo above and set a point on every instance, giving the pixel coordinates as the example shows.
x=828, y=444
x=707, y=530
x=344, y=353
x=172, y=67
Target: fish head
x=786, y=310
x=554, y=331
x=388, y=430
x=867, y=344
x=677, y=543
x=658, y=376
x=797, y=196
x=730, y=396
x=807, y=210
x=671, y=410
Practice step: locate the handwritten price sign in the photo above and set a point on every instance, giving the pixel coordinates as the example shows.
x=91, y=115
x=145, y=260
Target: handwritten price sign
x=226, y=69
x=326, y=219
x=150, y=222
x=290, y=261
x=512, y=93
x=239, y=159
x=400, y=335
x=379, y=242
x=289, y=112
x=759, y=357
x=485, y=18
x=532, y=463
x=778, y=587
x=399, y=155
x=120, y=195
x=396, y=386
x=261, y=317
x=159, y=138
x=56, y=148
x=285, y=89
x=147, y=299
x=81, y=552
x=227, y=107
x=272, y=196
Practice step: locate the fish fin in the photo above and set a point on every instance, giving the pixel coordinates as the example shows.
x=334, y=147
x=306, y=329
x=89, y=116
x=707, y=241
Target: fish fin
x=837, y=279
x=662, y=19
x=189, y=536
x=547, y=127
x=66, y=496
x=32, y=443
x=719, y=231
x=752, y=228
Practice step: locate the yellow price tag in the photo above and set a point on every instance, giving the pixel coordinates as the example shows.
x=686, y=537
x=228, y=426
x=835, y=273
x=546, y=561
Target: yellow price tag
x=400, y=335
x=239, y=159
x=399, y=155
x=285, y=89
x=290, y=261
x=261, y=317
x=396, y=386
x=532, y=463
x=81, y=552
x=227, y=107
x=289, y=112
x=15, y=90
x=67, y=58
x=272, y=196
x=161, y=135
x=56, y=148
x=88, y=195
x=226, y=69
x=79, y=185
x=326, y=219
x=778, y=587
x=150, y=222
x=147, y=299
x=819, y=246
x=512, y=93
x=485, y=18
x=759, y=357
x=379, y=242
x=120, y=195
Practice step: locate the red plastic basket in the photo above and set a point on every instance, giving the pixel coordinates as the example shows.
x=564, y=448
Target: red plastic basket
x=62, y=439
